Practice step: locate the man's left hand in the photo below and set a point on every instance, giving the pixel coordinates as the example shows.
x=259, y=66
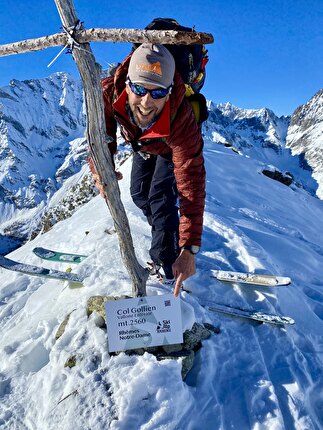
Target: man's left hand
x=183, y=268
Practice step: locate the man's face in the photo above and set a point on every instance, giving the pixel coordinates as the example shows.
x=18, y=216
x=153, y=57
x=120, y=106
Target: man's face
x=145, y=109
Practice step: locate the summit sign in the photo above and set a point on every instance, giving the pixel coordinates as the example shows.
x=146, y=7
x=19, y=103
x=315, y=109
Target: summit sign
x=143, y=322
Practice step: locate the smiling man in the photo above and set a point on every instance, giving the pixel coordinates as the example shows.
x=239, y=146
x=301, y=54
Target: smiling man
x=145, y=108
x=146, y=98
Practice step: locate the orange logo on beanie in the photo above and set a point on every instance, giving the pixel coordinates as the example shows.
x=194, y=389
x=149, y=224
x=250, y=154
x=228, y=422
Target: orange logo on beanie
x=154, y=68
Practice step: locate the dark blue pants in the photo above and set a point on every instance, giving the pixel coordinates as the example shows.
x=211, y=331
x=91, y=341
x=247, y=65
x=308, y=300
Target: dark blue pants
x=153, y=190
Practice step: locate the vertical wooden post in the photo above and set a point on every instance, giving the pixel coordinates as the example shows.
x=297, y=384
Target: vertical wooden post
x=98, y=143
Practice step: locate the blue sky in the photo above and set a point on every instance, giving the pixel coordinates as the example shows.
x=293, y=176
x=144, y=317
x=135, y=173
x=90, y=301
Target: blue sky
x=267, y=53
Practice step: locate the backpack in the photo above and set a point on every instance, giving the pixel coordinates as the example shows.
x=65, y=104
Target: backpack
x=190, y=61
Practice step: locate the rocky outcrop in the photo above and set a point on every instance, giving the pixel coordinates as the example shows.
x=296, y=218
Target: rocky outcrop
x=285, y=178
x=305, y=136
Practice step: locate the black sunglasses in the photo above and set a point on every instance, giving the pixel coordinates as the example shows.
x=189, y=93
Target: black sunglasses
x=141, y=91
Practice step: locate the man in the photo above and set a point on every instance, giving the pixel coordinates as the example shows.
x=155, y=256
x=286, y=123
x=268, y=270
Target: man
x=146, y=97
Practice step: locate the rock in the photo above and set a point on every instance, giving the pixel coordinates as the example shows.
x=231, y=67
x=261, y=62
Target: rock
x=62, y=327
x=169, y=349
x=186, y=356
x=96, y=304
x=187, y=363
x=212, y=328
x=98, y=320
x=285, y=178
x=70, y=362
x=193, y=337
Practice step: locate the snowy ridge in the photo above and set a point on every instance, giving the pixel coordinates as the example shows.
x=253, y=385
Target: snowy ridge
x=248, y=376
x=305, y=136
x=260, y=126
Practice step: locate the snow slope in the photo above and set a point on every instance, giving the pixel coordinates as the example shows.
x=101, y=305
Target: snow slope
x=249, y=376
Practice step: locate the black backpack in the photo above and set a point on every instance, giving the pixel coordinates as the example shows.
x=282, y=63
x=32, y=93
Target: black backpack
x=190, y=62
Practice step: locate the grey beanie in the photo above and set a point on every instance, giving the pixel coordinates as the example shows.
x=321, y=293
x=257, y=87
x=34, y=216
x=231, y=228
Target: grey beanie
x=153, y=65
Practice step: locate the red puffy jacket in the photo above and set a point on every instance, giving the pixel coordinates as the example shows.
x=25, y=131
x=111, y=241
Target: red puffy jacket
x=175, y=131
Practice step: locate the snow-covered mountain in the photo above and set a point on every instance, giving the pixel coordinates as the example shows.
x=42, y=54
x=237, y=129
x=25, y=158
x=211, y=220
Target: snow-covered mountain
x=261, y=135
x=42, y=144
x=305, y=136
x=249, y=128
x=43, y=173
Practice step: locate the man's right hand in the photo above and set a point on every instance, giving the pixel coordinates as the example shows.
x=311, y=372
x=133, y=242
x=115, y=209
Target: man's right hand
x=183, y=268
x=97, y=179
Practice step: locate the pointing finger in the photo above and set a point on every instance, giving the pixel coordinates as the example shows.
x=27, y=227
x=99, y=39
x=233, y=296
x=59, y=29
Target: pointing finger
x=178, y=286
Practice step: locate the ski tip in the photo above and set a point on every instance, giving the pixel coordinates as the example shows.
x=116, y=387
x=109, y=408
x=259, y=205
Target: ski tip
x=48, y=254
x=286, y=281
x=43, y=253
x=38, y=249
x=289, y=321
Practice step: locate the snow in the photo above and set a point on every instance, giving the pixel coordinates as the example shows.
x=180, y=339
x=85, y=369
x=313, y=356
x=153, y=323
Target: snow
x=249, y=376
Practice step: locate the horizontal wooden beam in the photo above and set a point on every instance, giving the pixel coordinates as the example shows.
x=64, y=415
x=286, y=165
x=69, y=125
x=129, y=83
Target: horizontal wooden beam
x=108, y=35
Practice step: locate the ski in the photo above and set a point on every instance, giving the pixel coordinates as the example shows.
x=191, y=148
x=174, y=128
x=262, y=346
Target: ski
x=32, y=270
x=263, y=317
x=251, y=278
x=50, y=255
x=279, y=320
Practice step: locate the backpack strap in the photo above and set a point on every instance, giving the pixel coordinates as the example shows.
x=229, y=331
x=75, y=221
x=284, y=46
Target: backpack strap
x=199, y=106
x=196, y=110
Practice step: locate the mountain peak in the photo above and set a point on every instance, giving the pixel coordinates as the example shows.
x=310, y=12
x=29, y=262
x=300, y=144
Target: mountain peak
x=305, y=136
